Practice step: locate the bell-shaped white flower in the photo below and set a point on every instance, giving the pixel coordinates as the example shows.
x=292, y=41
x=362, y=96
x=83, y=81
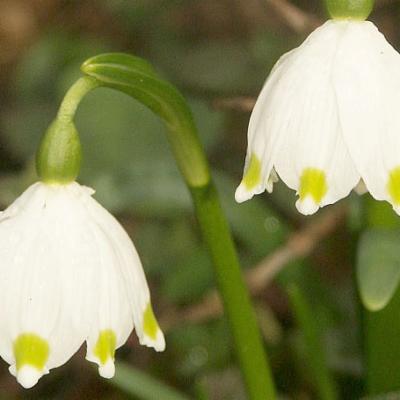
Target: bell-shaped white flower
x=327, y=117
x=69, y=273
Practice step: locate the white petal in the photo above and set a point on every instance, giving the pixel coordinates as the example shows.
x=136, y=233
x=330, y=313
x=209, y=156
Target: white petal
x=130, y=267
x=367, y=81
x=295, y=124
x=45, y=273
x=69, y=273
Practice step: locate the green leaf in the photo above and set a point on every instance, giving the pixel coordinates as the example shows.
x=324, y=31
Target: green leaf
x=378, y=267
x=254, y=223
x=195, y=272
x=199, y=348
x=142, y=385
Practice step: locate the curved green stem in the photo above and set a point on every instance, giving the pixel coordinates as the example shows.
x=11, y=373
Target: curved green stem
x=137, y=78
x=74, y=96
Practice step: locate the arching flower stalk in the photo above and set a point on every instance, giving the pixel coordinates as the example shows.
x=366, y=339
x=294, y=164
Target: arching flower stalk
x=327, y=119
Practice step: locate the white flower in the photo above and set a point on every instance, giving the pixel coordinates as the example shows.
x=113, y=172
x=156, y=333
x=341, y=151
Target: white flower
x=68, y=273
x=327, y=117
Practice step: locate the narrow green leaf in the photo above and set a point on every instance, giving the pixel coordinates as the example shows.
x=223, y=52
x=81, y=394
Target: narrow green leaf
x=378, y=267
x=320, y=374
x=142, y=385
x=122, y=60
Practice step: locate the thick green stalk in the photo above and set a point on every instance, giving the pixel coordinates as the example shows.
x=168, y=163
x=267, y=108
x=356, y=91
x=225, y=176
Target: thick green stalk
x=135, y=77
x=235, y=297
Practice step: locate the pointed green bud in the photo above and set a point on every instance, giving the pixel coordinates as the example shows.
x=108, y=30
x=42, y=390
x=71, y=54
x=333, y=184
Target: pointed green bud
x=349, y=9
x=59, y=156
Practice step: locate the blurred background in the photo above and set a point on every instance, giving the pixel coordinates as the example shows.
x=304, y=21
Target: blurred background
x=218, y=53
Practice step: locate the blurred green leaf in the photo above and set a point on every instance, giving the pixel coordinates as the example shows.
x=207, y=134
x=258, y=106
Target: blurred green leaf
x=201, y=391
x=143, y=386
x=190, y=279
x=254, y=223
x=220, y=67
x=200, y=348
x=378, y=267
x=39, y=70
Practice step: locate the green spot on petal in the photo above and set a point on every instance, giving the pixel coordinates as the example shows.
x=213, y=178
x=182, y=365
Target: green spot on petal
x=394, y=185
x=253, y=174
x=30, y=349
x=105, y=346
x=313, y=183
x=150, y=325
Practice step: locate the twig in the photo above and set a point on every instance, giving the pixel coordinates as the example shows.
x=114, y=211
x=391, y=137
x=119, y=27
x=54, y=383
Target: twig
x=299, y=244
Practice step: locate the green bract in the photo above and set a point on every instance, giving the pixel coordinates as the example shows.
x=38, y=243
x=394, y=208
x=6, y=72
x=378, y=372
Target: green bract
x=59, y=156
x=349, y=9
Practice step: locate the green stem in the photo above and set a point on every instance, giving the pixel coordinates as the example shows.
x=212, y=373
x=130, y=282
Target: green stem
x=382, y=348
x=138, y=79
x=381, y=329
x=234, y=293
x=74, y=96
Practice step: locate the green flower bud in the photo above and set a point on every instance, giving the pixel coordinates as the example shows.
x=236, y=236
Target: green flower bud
x=349, y=9
x=59, y=156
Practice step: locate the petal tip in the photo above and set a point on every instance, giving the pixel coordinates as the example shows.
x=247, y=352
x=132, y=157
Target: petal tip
x=28, y=376
x=307, y=206
x=158, y=343
x=107, y=370
x=242, y=194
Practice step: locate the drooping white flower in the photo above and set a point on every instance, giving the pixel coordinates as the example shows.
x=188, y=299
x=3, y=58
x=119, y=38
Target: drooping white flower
x=69, y=273
x=327, y=117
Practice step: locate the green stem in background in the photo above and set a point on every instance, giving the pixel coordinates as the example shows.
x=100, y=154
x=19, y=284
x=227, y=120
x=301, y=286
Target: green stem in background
x=378, y=265
x=317, y=364
x=135, y=77
x=382, y=348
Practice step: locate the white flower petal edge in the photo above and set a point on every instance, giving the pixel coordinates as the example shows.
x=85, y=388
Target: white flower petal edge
x=367, y=81
x=326, y=117
x=68, y=273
